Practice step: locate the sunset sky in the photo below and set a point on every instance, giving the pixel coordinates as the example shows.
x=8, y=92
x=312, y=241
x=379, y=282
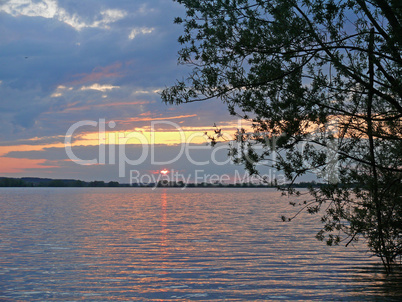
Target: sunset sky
x=101, y=64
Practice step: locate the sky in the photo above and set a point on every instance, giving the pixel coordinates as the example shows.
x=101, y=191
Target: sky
x=80, y=85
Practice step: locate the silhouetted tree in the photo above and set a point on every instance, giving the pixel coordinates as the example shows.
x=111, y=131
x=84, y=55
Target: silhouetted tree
x=321, y=83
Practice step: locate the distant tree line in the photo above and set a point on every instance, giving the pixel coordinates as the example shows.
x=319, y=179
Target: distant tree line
x=46, y=182
x=12, y=182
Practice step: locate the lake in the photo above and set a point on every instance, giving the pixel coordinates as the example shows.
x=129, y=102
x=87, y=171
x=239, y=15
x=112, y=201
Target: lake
x=139, y=244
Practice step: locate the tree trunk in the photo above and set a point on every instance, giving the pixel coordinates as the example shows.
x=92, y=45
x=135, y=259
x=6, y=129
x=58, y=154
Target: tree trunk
x=382, y=248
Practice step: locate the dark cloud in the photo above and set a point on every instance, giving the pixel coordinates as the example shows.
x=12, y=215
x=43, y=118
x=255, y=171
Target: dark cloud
x=40, y=53
x=54, y=53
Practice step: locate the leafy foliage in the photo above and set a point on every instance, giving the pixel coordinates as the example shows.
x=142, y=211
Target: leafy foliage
x=321, y=82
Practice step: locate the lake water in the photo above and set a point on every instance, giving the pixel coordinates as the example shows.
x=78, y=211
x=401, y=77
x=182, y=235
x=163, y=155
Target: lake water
x=138, y=244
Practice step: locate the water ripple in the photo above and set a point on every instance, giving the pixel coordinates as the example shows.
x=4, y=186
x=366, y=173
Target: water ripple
x=138, y=244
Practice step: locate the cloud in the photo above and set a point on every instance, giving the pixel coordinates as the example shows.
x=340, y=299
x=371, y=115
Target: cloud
x=50, y=9
x=164, y=118
x=142, y=30
x=72, y=60
x=54, y=162
x=17, y=165
x=99, y=73
x=60, y=90
x=104, y=106
x=99, y=87
x=44, y=8
x=37, y=91
x=109, y=16
x=147, y=91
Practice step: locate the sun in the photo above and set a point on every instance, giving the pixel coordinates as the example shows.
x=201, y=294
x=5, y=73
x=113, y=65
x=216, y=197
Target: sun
x=164, y=171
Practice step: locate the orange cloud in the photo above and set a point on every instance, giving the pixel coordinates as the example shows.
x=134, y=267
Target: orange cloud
x=18, y=165
x=21, y=148
x=146, y=119
x=163, y=134
x=98, y=73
